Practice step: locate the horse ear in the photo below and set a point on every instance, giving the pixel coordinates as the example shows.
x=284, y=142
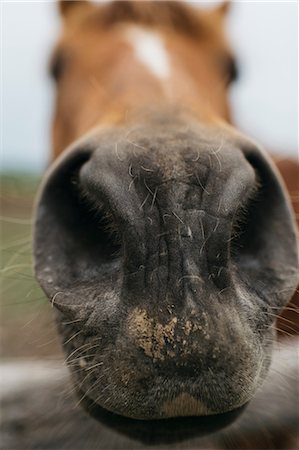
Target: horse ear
x=223, y=8
x=65, y=6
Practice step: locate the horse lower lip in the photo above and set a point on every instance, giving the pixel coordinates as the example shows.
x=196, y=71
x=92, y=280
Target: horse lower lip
x=162, y=430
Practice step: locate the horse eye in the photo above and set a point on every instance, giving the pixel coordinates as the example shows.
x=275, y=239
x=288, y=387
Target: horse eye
x=232, y=70
x=228, y=67
x=57, y=65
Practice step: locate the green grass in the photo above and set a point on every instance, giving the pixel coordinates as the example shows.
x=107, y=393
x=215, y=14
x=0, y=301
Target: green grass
x=27, y=328
x=19, y=291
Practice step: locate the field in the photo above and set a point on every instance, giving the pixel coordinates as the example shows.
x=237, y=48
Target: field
x=27, y=328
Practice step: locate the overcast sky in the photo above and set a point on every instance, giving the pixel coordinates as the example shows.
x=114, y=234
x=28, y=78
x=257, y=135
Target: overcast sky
x=265, y=99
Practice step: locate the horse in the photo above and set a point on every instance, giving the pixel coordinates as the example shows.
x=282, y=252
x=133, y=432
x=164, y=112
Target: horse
x=164, y=238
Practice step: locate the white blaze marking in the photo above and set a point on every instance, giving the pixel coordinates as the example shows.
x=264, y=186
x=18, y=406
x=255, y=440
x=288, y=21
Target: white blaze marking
x=150, y=50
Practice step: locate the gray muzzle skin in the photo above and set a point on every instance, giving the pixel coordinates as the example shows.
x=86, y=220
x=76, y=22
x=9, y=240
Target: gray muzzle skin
x=166, y=250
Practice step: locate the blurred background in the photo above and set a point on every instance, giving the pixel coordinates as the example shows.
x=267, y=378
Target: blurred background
x=264, y=36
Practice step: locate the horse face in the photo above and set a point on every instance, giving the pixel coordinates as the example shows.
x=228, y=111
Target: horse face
x=101, y=77
x=165, y=248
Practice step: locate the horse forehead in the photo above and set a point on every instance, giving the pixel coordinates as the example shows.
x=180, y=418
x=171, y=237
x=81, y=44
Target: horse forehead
x=149, y=49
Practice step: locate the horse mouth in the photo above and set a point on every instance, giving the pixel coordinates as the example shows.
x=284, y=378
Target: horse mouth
x=164, y=430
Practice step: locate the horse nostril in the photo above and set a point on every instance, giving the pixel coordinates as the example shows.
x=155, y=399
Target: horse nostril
x=261, y=249
x=77, y=238
x=100, y=217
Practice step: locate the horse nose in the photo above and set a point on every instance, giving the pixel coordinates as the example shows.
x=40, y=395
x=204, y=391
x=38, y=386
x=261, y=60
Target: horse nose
x=150, y=222
x=166, y=257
